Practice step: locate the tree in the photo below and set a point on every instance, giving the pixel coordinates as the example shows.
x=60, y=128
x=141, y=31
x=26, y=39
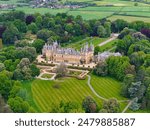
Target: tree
x=4, y=108
x=1, y=44
x=138, y=36
x=126, y=31
x=107, y=27
x=38, y=21
x=69, y=28
x=66, y=107
x=38, y=44
x=101, y=31
x=142, y=45
x=137, y=25
x=135, y=105
x=44, y=34
x=146, y=32
x=33, y=28
x=26, y=52
x=101, y=69
x=118, y=25
x=35, y=70
x=5, y=84
x=10, y=35
x=18, y=105
x=148, y=97
x=21, y=26
x=61, y=70
x=117, y=66
x=2, y=67
x=124, y=44
x=137, y=90
x=97, y=50
x=111, y=106
x=89, y=105
x=127, y=82
x=10, y=65
x=2, y=29
x=30, y=19
x=137, y=59
x=23, y=70
x=15, y=89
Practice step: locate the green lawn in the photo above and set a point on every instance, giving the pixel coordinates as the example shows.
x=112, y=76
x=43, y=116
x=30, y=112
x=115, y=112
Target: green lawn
x=107, y=87
x=109, y=45
x=94, y=40
x=47, y=76
x=42, y=94
x=87, y=15
x=71, y=89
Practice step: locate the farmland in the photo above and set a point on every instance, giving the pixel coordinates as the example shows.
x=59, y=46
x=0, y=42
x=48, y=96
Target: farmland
x=110, y=9
x=43, y=94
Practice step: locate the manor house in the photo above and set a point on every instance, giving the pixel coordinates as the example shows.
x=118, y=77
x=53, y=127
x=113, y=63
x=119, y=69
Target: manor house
x=55, y=53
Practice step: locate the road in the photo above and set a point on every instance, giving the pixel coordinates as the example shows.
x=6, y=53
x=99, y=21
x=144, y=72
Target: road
x=114, y=36
x=126, y=108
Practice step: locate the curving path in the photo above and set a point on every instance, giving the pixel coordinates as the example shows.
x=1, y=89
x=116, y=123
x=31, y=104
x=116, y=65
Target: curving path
x=103, y=98
x=89, y=84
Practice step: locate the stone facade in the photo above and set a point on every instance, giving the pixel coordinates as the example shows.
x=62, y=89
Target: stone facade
x=55, y=53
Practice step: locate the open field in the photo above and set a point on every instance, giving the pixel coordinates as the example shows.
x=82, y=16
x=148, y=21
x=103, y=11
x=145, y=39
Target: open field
x=8, y=2
x=111, y=9
x=129, y=18
x=29, y=10
x=43, y=94
x=118, y=3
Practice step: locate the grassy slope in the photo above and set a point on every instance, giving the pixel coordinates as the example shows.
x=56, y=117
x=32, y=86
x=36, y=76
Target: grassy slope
x=107, y=87
x=71, y=89
x=109, y=45
x=42, y=94
x=94, y=40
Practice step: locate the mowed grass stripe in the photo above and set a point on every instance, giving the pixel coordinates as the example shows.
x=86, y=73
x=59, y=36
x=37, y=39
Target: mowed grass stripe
x=41, y=96
x=106, y=87
x=72, y=89
x=40, y=103
x=76, y=89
